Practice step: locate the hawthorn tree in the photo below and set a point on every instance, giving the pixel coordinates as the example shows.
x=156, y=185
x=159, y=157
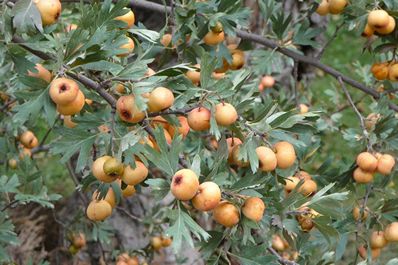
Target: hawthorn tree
x=209, y=132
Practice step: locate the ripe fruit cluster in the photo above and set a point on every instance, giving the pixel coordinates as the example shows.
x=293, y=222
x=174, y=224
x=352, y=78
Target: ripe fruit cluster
x=207, y=197
x=282, y=246
x=199, y=118
x=159, y=242
x=385, y=71
x=308, y=188
x=66, y=94
x=369, y=164
x=78, y=241
x=126, y=259
x=160, y=98
x=108, y=169
x=379, y=240
x=305, y=219
x=331, y=6
x=266, y=81
x=28, y=141
x=380, y=22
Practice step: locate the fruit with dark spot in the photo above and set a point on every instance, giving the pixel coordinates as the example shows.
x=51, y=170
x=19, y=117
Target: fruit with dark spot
x=113, y=167
x=127, y=109
x=28, y=139
x=49, y=10
x=98, y=170
x=63, y=91
x=73, y=107
x=184, y=185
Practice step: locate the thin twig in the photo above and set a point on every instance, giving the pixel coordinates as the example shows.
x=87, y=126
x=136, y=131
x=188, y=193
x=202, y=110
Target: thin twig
x=76, y=181
x=135, y=218
x=296, y=83
x=360, y=117
x=320, y=54
x=111, y=144
x=280, y=258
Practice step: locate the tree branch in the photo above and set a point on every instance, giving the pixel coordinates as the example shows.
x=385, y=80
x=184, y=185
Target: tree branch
x=274, y=46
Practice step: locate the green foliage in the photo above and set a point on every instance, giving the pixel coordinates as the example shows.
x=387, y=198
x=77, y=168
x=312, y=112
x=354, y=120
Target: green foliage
x=326, y=139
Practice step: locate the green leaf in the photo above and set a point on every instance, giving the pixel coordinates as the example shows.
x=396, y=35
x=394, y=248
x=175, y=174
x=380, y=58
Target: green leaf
x=160, y=187
x=26, y=16
x=9, y=184
x=149, y=35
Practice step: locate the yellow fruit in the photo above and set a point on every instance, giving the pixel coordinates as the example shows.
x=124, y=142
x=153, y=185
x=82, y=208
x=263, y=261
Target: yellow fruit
x=356, y=212
x=393, y=72
x=235, y=157
x=68, y=122
x=28, y=139
x=385, y=164
x=377, y=240
x=128, y=191
x=129, y=46
x=135, y=176
x=63, y=91
x=362, y=177
x=303, y=175
x=285, y=154
x=367, y=162
x=337, y=6
x=98, y=170
x=166, y=39
x=277, y=243
x=42, y=73
x=389, y=28
x=225, y=114
x=309, y=187
x=323, y=8
x=368, y=31
x=378, y=19
x=166, y=241
x=391, y=232
x=208, y=196
x=253, y=209
x=79, y=240
x=182, y=129
x=268, y=81
x=160, y=98
x=49, y=10
x=127, y=109
x=212, y=38
x=375, y=252
x=184, y=185
x=291, y=183
x=380, y=71
x=113, y=167
x=12, y=163
x=156, y=242
x=238, y=61
x=303, y=108
x=266, y=158
x=226, y=214
x=194, y=75
x=199, y=119
x=98, y=210
x=128, y=18
x=73, y=107
x=109, y=197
